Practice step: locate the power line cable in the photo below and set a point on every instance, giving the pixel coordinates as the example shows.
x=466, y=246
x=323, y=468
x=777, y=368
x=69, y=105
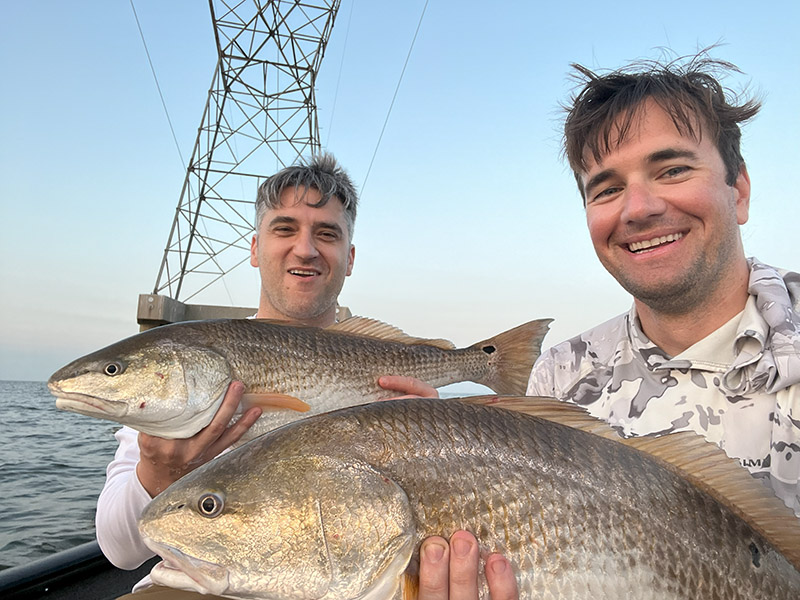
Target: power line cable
x=396, y=90
x=158, y=87
x=339, y=77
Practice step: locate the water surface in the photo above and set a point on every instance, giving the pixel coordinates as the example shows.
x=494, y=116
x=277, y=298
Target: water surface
x=52, y=468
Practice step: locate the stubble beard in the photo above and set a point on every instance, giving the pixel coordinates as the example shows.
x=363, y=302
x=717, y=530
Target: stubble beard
x=303, y=307
x=696, y=288
x=299, y=310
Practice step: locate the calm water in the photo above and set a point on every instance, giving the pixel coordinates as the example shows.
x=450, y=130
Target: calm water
x=52, y=468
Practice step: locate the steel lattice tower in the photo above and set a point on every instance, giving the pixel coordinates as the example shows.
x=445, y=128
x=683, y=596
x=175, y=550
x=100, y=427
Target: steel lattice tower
x=260, y=116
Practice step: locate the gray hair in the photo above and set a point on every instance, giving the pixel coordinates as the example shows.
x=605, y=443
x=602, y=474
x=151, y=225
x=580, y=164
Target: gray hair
x=321, y=172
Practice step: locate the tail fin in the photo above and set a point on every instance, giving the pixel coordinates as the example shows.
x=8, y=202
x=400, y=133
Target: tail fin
x=514, y=353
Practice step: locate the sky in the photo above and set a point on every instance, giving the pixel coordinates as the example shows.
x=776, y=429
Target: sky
x=469, y=223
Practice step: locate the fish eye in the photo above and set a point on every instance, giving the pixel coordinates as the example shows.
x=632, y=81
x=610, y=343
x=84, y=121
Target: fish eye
x=210, y=505
x=113, y=368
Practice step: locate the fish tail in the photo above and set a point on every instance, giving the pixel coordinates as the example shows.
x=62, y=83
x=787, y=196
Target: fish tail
x=511, y=357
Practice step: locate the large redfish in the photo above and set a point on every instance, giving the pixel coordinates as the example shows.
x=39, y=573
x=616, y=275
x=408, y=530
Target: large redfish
x=169, y=381
x=334, y=507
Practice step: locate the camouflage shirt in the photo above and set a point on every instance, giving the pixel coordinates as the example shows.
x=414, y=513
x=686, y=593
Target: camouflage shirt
x=739, y=387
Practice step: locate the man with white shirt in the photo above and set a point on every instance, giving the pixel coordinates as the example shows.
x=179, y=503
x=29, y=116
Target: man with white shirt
x=712, y=342
x=305, y=215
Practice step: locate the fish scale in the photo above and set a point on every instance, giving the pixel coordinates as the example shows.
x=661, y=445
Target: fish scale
x=578, y=516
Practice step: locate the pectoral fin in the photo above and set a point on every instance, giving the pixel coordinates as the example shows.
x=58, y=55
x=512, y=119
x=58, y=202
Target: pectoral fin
x=275, y=402
x=409, y=585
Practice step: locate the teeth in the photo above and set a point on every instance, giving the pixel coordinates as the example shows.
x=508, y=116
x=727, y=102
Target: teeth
x=650, y=244
x=301, y=272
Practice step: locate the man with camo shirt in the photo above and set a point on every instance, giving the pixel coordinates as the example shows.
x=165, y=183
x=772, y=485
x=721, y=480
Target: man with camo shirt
x=712, y=342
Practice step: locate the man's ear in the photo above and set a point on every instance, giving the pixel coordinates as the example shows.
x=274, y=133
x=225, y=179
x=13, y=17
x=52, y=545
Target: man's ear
x=741, y=190
x=351, y=257
x=254, y=251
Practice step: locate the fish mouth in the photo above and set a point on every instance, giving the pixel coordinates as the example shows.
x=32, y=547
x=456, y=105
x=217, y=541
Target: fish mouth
x=86, y=404
x=182, y=571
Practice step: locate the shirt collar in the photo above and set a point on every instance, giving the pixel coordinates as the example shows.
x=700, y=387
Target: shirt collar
x=715, y=352
x=758, y=348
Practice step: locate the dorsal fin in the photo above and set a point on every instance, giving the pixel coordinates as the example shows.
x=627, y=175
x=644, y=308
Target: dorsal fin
x=703, y=463
x=383, y=331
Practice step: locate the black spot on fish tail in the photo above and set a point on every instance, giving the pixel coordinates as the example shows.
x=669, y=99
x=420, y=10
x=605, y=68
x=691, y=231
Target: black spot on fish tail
x=489, y=349
x=755, y=555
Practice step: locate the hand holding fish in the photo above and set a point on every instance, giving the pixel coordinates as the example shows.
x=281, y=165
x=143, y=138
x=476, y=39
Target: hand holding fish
x=453, y=575
x=164, y=461
x=408, y=387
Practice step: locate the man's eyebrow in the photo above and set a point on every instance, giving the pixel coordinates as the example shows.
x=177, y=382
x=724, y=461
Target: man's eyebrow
x=598, y=179
x=333, y=225
x=281, y=220
x=287, y=220
x=670, y=154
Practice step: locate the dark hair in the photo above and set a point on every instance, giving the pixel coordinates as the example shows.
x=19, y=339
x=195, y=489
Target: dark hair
x=687, y=88
x=321, y=172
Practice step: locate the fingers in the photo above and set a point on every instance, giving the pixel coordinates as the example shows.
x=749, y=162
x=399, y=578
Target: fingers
x=407, y=386
x=434, y=569
x=235, y=432
x=219, y=433
x=501, y=579
x=225, y=412
x=464, y=558
x=450, y=571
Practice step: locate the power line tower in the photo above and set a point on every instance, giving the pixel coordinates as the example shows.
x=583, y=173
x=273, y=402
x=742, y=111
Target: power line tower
x=260, y=116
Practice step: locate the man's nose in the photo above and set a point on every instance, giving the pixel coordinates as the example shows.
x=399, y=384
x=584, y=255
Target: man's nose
x=305, y=245
x=641, y=202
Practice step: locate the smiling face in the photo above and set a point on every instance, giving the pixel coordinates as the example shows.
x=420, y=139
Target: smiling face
x=303, y=254
x=662, y=219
